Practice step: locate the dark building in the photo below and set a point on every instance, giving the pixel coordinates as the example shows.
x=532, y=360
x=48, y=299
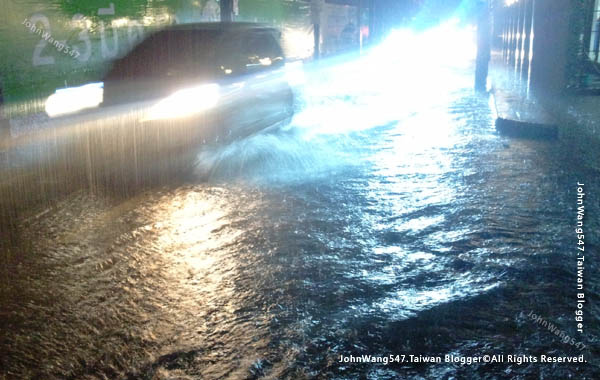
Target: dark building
x=548, y=52
x=552, y=46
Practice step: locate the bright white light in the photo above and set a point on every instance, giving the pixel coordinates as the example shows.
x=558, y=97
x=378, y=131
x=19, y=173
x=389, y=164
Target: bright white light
x=120, y=22
x=446, y=45
x=294, y=73
x=410, y=73
x=69, y=100
x=297, y=43
x=265, y=61
x=510, y=2
x=185, y=102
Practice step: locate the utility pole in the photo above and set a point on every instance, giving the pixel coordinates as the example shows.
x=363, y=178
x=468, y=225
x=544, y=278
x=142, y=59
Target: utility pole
x=226, y=10
x=315, y=13
x=484, y=40
x=4, y=123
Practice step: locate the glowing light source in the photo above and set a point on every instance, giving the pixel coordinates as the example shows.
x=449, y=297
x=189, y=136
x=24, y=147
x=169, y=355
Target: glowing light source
x=120, y=22
x=69, y=100
x=265, y=61
x=297, y=43
x=508, y=3
x=148, y=20
x=186, y=102
x=447, y=44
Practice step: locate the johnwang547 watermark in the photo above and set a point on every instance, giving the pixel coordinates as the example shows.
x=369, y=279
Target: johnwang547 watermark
x=47, y=39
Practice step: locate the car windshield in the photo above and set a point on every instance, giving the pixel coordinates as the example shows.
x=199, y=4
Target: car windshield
x=173, y=53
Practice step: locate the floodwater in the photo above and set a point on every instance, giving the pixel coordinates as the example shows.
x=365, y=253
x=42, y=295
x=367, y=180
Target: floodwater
x=389, y=218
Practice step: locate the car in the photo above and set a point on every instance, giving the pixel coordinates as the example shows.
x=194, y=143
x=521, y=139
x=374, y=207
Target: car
x=227, y=79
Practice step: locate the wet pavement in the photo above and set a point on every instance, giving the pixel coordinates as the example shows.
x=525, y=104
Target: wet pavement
x=390, y=218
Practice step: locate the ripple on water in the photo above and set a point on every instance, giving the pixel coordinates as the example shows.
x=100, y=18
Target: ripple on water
x=427, y=235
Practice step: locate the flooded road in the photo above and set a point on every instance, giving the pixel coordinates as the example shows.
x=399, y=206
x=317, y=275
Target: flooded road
x=385, y=220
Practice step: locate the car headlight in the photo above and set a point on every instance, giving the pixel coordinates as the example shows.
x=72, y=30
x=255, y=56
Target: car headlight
x=186, y=102
x=74, y=99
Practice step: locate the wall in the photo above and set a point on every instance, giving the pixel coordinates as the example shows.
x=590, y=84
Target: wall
x=550, y=46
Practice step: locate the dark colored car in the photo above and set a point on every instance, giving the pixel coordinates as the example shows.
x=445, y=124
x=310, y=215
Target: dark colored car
x=228, y=78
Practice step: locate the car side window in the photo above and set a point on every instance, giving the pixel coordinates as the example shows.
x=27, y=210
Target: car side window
x=260, y=51
x=170, y=54
x=247, y=52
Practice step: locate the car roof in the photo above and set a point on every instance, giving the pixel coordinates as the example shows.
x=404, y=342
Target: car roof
x=220, y=26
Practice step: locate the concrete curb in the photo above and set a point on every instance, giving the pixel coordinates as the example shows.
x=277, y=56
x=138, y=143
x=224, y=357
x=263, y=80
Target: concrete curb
x=520, y=117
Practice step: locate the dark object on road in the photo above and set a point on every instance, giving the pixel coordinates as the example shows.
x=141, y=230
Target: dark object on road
x=529, y=130
x=519, y=117
x=226, y=78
